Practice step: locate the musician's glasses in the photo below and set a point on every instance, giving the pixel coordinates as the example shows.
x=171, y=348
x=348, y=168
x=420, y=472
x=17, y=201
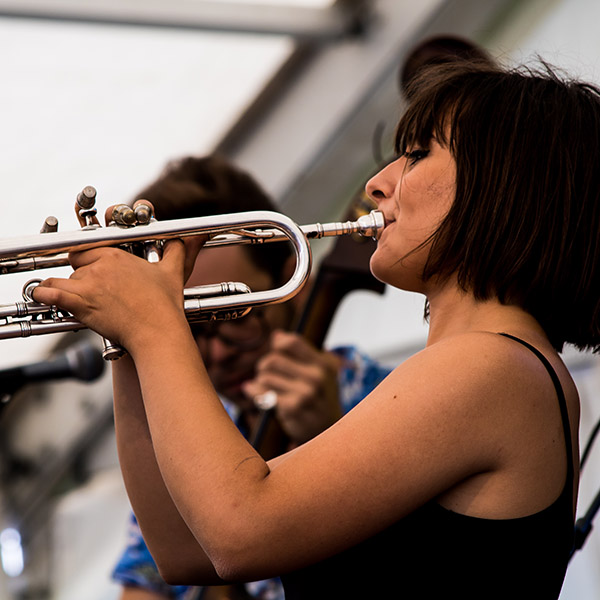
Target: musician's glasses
x=245, y=334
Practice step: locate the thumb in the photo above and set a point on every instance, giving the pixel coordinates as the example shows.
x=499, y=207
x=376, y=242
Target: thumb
x=192, y=245
x=183, y=253
x=174, y=253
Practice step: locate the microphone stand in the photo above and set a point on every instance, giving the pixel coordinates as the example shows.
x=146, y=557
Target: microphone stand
x=583, y=525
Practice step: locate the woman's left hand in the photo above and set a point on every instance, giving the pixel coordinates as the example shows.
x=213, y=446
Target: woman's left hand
x=119, y=295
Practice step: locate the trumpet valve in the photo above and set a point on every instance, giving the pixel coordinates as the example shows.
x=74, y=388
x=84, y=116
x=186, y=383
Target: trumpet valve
x=112, y=351
x=86, y=199
x=153, y=251
x=143, y=212
x=123, y=215
x=50, y=225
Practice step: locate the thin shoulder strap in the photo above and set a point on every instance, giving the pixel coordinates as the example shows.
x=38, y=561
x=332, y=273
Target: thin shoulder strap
x=561, y=402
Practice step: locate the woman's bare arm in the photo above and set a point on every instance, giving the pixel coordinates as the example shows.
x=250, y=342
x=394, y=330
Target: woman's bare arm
x=453, y=413
x=178, y=555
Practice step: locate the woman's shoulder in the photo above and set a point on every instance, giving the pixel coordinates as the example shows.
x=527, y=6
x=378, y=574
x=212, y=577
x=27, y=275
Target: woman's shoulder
x=489, y=353
x=482, y=371
x=478, y=352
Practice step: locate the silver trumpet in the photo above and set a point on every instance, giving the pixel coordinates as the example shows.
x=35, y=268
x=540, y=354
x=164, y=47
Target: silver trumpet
x=224, y=301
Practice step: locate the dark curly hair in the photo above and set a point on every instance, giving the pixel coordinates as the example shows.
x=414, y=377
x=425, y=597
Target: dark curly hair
x=211, y=185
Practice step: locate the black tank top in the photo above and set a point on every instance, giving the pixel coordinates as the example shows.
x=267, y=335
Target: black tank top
x=437, y=553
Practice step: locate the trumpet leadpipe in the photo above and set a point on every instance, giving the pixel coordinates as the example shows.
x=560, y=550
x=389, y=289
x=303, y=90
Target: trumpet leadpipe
x=32, y=253
x=370, y=225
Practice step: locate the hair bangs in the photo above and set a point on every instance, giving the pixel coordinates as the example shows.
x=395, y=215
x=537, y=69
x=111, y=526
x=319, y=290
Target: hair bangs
x=421, y=123
x=440, y=97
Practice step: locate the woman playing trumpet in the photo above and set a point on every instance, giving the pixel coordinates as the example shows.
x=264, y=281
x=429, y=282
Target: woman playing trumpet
x=457, y=476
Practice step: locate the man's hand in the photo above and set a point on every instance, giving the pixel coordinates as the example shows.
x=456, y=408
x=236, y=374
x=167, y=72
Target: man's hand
x=305, y=381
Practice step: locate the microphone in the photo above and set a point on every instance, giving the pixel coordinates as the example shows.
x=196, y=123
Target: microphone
x=81, y=361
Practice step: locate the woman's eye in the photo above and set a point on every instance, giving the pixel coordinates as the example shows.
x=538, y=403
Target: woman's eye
x=413, y=156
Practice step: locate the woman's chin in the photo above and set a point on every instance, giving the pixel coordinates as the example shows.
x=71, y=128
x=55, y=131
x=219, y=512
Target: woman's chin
x=376, y=268
x=383, y=269
x=396, y=275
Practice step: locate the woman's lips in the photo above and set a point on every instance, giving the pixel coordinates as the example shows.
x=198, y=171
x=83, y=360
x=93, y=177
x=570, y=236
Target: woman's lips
x=388, y=224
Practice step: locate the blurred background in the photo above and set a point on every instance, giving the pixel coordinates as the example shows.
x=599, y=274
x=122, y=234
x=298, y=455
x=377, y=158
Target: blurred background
x=303, y=94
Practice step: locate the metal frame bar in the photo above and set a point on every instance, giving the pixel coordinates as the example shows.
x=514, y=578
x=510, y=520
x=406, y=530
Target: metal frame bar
x=343, y=18
x=311, y=145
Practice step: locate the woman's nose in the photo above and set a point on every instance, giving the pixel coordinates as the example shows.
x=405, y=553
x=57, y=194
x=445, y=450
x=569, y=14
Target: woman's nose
x=382, y=185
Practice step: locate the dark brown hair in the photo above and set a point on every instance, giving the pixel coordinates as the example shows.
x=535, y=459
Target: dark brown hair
x=212, y=185
x=525, y=223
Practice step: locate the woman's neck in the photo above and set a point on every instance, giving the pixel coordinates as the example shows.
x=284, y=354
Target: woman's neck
x=453, y=311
